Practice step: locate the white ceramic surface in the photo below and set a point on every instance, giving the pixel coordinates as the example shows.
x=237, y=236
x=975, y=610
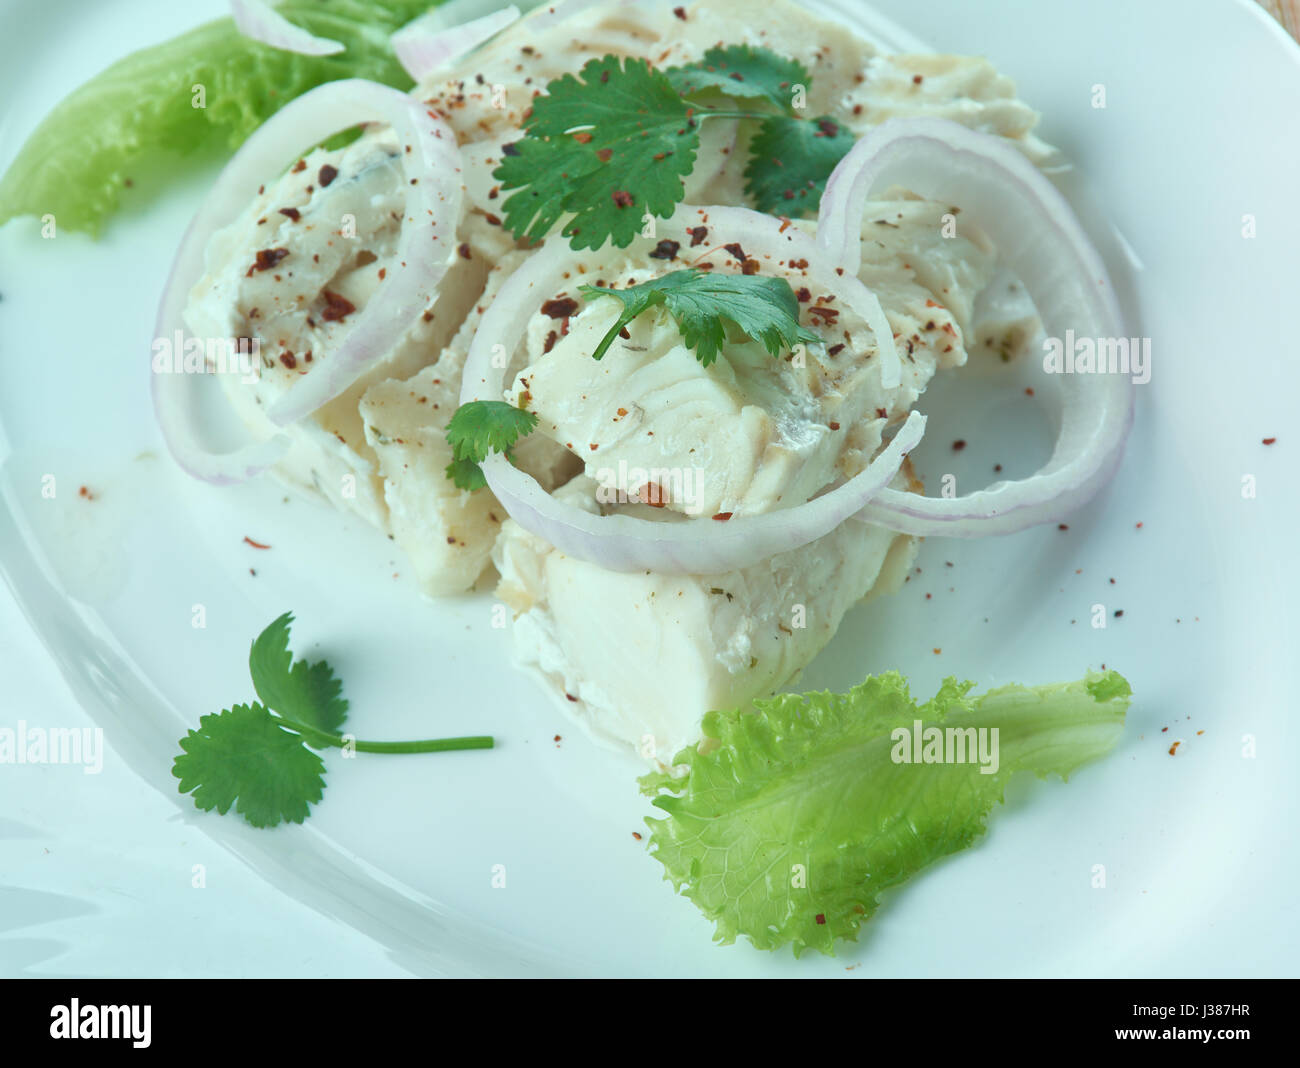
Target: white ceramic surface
x=1199, y=131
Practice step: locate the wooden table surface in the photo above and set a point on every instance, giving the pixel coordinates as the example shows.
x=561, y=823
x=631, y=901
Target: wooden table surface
x=1286, y=12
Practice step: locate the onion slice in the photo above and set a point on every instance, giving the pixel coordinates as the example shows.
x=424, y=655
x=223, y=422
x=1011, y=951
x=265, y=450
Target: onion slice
x=427, y=43
x=433, y=204
x=625, y=543
x=259, y=21
x=1039, y=240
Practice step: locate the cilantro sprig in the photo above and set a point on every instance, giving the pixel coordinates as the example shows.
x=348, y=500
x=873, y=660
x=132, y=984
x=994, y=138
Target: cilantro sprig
x=478, y=428
x=702, y=302
x=255, y=757
x=611, y=145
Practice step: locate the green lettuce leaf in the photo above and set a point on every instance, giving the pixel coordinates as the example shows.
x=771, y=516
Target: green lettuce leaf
x=794, y=816
x=138, y=112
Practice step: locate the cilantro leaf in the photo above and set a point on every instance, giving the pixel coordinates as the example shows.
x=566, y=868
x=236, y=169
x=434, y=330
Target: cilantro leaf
x=258, y=756
x=804, y=808
x=608, y=146
x=308, y=693
x=466, y=474
x=480, y=427
x=243, y=757
x=790, y=160
x=743, y=72
x=762, y=307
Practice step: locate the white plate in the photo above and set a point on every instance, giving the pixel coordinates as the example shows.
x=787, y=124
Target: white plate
x=1199, y=848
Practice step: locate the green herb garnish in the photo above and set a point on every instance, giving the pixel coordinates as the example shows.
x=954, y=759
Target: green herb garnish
x=610, y=146
x=762, y=307
x=256, y=756
x=478, y=428
x=791, y=822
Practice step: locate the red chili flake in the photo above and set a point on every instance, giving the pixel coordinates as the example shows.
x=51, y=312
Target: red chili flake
x=255, y=544
x=881, y=413
x=1119, y=612
x=300, y=166
x=828, y=314
x=834, y=426
x=821, y=918
x=604, y=154
x=1269, y=441
x=85, y=492
x=997, y=467
x=307, y=356
x=750, y=267
x=560, y=307
x=958, y=445
x=464, y=251
x=653, y=494
x=799, y=265
x=722, y=517
x=835, y=350
x=1139, y=526
x=738, y=252
x=666, y=250
x=803, y=294
x=604, y=77
x=699, y=234
x=582, y=137
x=827, y=128
x=551, y=339
x=1173, y=749
x=510, y=149
x=916, y=79
x=1199, y=733
x=937, y=652
x=623, y=333
x=292, y=213
x=637, y=834
x=266, y=259
x=383, y=273
x=1029, y=391
x=337, y=308
x=327, y=175
x=492, y=220
x=621, y=197
x=495, y=191
x=1164, y=730
x=289, y=360
x=1062, y=526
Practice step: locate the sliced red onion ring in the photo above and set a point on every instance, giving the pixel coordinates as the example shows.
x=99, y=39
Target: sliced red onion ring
x=431, y=41
x=425, y=250
x=624, y=543
x=552, y=14
x=1039, y=239
x=309, y=120
x=259, y=21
